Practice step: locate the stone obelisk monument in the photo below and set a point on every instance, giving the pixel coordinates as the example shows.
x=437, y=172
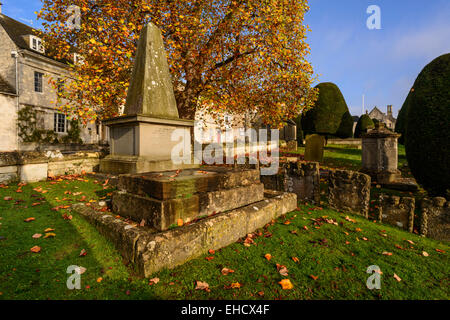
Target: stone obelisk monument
x=141, y=140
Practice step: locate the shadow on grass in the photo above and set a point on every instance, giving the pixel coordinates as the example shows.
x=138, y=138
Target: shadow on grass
x=28, y=276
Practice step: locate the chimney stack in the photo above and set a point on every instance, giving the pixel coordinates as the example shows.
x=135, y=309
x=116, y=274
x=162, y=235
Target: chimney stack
x=389, y=110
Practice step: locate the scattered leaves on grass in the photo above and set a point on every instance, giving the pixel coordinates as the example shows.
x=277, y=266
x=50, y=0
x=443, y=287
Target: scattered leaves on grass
x=7, y=198
x=396, y=277
x=49, y=230
x=211, y=251
x=314, y=277
x=226, y=271
x=49, y=235
x=282, y=270
x=29, y=219
x=409, y=241
x=439, y=250
x=83, y=253
x=233, y=285
x=36, y=249
x=349, y=219
x=295, y=259
x=67, y=217
x=209, y=258
x=268, y=256
x=286, y=284
x=81, y=270
x=180, y=222
x=99, y=280
x=201, y=285
x=36, y=236
x=425, y=254
x=153, y=281
x=385, y=253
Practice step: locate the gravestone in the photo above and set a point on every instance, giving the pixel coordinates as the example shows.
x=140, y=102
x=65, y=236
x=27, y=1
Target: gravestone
x=349, y=191
x=314, y=147
x=143, y=139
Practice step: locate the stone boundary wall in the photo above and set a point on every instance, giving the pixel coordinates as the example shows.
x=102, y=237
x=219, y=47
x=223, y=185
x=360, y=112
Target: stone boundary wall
x=348, y=142
x=37, y=166
x=299, y=177
x=435, y=218
x=43, y=147
x=397, y=211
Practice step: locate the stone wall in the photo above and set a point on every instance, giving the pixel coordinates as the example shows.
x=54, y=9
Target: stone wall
x=8, y=127
x=435, y=218
x=299, y=177
x=397, y=211
x=347, y=142
x=37, y=166
x=349, y=191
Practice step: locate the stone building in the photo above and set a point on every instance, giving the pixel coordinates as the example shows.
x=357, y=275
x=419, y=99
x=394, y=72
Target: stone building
x=25, y=69
x=387, y=118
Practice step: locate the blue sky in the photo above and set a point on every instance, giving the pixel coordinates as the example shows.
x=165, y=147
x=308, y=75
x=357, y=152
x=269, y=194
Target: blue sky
x=381, y=64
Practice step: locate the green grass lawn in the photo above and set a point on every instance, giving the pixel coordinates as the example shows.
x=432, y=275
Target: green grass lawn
x=349, y=157
x=332, y=259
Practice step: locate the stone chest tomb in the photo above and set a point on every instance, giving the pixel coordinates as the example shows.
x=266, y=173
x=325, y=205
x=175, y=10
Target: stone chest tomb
x=380, y=154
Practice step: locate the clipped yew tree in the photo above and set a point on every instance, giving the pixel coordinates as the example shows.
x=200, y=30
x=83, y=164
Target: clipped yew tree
x=345, y=129
x=427, y=127
x=326, y=116
x=364, y=123
x=400, y=124
x=300, y=136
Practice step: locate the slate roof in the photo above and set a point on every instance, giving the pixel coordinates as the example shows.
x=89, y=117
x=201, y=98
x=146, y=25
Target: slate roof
x=5, y=87
x=17, y=30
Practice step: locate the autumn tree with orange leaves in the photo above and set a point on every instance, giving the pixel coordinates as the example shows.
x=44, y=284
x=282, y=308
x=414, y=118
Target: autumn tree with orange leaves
x=227, y=56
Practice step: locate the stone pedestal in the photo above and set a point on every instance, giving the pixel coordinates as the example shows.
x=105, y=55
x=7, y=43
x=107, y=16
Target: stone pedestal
x=141, y=144
x=380, y=154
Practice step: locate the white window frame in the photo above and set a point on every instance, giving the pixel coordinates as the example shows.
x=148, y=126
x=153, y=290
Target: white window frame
x=78, y=59
x=36, y=44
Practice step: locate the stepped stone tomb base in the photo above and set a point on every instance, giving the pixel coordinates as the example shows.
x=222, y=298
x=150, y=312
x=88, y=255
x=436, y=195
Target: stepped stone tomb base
x=174, y=216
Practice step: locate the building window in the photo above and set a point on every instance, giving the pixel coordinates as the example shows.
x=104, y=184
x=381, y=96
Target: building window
x=60, y=123
x=36, y=44
x=78, y=59
x=38, y=76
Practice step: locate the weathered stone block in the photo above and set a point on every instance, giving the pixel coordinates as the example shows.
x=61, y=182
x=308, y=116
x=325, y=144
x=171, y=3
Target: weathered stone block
x=397, y=211
x=435, y=218
x=299, y=177
x=33, y=172
x=349, y=191
x=161, y=214
x=170, y=184
x=150, y=251
x=380, y=154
